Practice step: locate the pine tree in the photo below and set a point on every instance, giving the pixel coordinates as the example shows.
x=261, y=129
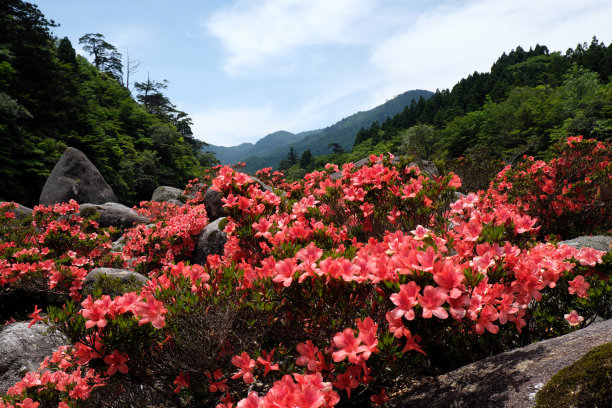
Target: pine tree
x=105, y=56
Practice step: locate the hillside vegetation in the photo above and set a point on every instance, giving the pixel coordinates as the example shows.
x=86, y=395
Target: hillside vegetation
x=528, y=100
x=51, y=98
x=236, y=154
x=341, y=133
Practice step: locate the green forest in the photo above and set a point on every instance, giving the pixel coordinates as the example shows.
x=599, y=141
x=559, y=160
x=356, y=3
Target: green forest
x=51, y=98
x=528, y=100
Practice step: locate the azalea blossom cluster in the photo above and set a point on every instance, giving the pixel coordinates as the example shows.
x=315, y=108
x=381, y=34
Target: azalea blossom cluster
x=349, y=278
x=171, y=238
x=61, y=375
x=53, y=253
x=570, y=194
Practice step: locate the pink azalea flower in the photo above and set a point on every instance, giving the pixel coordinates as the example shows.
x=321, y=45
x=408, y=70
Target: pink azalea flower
x=28, y=403
x=487, y=316
x=420, y=232
x=308, y=356
x=35, y=316
x=573, y=318
x=349, y=346
x=449, y=276
x=252, y=401
x=245, y=364
x=589, y=256
x=152, y=311
x=95, y=313
x=578, y=286
x=284, y=271
x=432, y=301
x=181, y=381
x=412, y=342
x=426, y=259
x=405, y=300
x=116, y=362
x=266, y=361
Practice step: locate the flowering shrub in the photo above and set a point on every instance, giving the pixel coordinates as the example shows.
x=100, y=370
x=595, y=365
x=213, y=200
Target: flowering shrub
x=571, y=194
x=171, y=238
x=53, y=252
x=329, y=290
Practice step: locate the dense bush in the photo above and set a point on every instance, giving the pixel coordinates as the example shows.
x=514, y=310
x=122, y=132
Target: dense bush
x=327, y=292
x=571, y=194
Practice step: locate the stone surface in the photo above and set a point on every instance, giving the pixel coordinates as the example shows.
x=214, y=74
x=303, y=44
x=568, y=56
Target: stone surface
x=176, y=202
x=263, y=186
x=22, y=349
x=427, y=167
x=166, y=193
x=117, y=246
x=598, y=242
x=213, y=204
x=127, y=278
x=20, y=211
x=509, y=379
x=113, y=214
x=75, y=177
x=210, y=242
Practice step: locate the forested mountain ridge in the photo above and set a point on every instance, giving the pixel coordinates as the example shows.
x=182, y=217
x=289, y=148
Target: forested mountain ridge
x=528, y=100
x=342, y=133
x=51, y=98
x=525, y=103
x=235, y=154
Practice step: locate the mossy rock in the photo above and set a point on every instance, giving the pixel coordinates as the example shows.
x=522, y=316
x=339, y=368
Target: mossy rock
x=586, y=383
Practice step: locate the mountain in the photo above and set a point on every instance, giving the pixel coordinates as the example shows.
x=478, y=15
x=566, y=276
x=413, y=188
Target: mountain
x=270, y=150
x=235, y=154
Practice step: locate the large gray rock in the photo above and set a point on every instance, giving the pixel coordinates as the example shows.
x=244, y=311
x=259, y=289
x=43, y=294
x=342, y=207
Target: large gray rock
x=509, y=379
x=166, y=193
x=125, y=280
x=113, y=214
x=22, y=349
x=598, y=242
x=211, y=242
x=75, y=177
x=213, y=204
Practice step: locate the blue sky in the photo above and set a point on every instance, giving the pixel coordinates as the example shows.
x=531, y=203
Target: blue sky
x=245, y=68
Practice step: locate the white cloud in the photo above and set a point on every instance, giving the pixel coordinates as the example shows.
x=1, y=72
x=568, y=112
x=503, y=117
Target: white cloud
x=261, y=33
x=232, y=126
x=450, y=42
x=407, y=49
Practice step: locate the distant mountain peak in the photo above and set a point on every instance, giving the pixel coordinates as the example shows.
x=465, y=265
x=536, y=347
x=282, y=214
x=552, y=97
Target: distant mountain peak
x=269, y=150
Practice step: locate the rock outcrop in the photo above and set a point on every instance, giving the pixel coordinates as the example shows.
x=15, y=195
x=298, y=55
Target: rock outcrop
x=509, y=379
x=213, y=204
x=113, y=214
x=211, y=242
x=22, y=349
x=598, y=242
x=169, y=194
x=74, y=177
x=119, y=281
